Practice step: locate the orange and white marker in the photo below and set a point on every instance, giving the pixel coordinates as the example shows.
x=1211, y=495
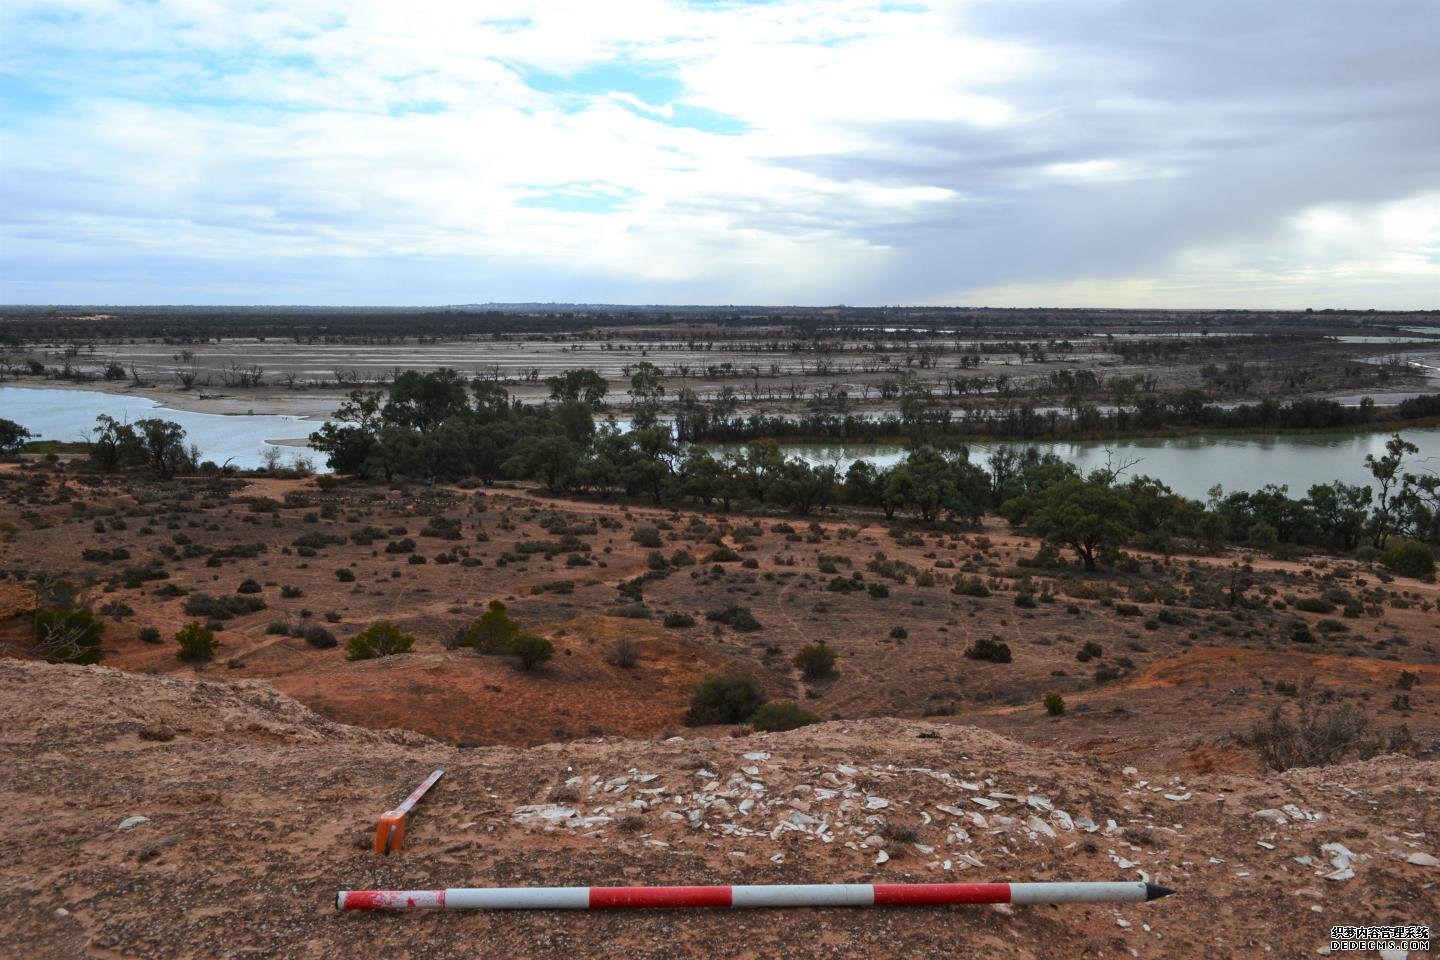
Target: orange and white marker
x=772, y=895
x=390, y=835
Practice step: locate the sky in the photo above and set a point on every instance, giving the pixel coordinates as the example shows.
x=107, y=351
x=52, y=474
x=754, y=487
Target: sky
x=1225, y=153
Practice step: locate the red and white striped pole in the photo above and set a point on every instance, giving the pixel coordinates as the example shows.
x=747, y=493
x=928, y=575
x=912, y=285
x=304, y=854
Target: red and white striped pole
x=776, y=895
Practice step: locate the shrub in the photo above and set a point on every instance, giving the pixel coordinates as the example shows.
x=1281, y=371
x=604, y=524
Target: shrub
x=317, y=637
x=724, y=698
x=735, y=617
x=679, y=620
x=647, y=537
x=492, y=631
x=1025, y=601
x=68, y=635
x=117, y=610
x=291, y=592
x=842, y=584
x=277, y=628
x=632, y=611
x=815, y=660
x=531, y=650
x=972, y=587
x=1409, y=558
x=221, y=608
x=405, y=545
x=722, y=554
x=382, y=639
x=878, y=591
x=1054, y=704
x=197, y=642
x=1088, y=651
x=248, y=586
x=1316, y=737
x=150, y=634
x=993, y=650
x=315, y=541
x=624, y=653
x=345, y=575
x=1314, y=605
x=898, y=633
x=780, y=716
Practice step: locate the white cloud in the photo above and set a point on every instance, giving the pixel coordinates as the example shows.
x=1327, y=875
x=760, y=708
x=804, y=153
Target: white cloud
x=858, y=150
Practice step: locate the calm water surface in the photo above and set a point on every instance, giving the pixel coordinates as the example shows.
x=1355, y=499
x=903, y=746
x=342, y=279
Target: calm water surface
x=1189, y=465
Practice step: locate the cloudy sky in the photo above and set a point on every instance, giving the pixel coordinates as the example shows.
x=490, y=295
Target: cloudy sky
x=1006, y=152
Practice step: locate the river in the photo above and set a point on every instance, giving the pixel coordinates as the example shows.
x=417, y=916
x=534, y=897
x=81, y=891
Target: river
x=1189, y=465
x=69, y=415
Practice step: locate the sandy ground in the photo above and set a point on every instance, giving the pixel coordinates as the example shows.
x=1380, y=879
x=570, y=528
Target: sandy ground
x=256, y=811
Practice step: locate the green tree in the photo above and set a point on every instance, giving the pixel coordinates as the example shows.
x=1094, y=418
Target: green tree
x=162, y=443
x=552, y=459
x=1384, y=521
x=12, y=435
x=350, y=441
x=115, y=444
x=1089, y=516
x=583, y=384
x=423, y=401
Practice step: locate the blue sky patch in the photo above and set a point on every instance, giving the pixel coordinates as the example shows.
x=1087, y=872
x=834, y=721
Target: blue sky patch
x=605, y=199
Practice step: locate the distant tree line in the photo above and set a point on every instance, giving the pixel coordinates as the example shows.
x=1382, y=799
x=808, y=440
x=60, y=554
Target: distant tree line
x=437, y=426
x=920, y=417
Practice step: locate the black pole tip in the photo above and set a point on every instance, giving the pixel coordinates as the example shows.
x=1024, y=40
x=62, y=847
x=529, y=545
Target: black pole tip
x=1153, y=891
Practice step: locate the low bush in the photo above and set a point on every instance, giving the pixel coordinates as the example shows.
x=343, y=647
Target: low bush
x=221, y=608
x=724, y=698
x=779, y=716
x=531, y=650
x=492, y=631
x=317, y=636
x=248, y=586
x=1317, y=736
x=1409, y=558
x=815, y=660
x=735, y=617
x=1054, y=704
x=971, y=587
x=1088, y=651
x=677, y=621
x=196, y=641
x=623, y=653
x=68, y=635
x=345, y=575
x=382, y=639
x=993, y=650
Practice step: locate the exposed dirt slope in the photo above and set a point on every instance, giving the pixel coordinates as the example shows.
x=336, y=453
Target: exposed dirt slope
x=259, y=810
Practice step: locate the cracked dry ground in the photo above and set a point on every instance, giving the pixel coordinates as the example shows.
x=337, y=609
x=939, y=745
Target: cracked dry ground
x=259, y=810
